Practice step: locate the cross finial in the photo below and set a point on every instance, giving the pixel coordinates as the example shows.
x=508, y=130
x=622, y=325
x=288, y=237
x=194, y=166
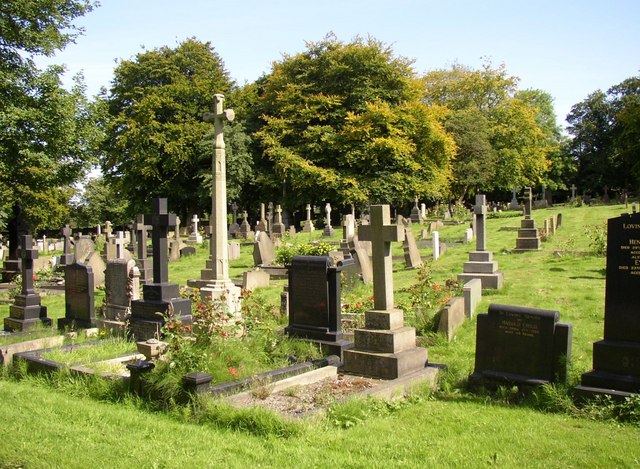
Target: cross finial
x=119, y=242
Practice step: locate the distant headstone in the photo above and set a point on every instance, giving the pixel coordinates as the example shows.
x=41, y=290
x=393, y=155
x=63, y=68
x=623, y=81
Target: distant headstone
x=573, y=191
x=187, y=251
x=328, y=229
x=416, y=215
x=195, y=237
x=263, y=250
x=314, y=302
x=559, y=221
x=278, y=228
x=234, y=251
x=348, y=227
x=262, y=223
x=26, y=311
x=436, y=245
x=472, y=293
x=79, y=294
x=308, y=224
x=67, y=255
x=144, y=264
x=234, y=228
x=528, y=235
x=245, y=228
x=252, y=279
x=17, y=228
x=514, y=205
x=122, y=285
x=521, y=345
x=412, y=259
x=361, y=259
x=451, y=317
x=616, y=358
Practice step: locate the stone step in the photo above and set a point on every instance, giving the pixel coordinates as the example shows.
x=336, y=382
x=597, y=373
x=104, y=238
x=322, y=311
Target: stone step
x=385, y=365
x=392, y=341
x=480, y=267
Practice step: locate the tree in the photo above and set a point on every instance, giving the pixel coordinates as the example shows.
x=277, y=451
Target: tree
x=156, y=131
x=99, y=202
x=509, y=131
x=344, y=123
x=46, y=133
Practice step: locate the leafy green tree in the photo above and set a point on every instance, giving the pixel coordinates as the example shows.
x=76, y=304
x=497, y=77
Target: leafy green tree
x=155, y=132
x=99, y=202
x=46, y=133
x=344, y=123
x=511, y=135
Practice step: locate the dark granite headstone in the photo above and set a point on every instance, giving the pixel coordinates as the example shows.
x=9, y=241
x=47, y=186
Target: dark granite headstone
x=26, y=310
x=78, y=297
x=521, y=345
x=17, y=228
x=314, y=301
x=616, y=358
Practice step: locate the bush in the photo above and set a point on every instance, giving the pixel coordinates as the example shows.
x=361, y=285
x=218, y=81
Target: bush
x=286, y=251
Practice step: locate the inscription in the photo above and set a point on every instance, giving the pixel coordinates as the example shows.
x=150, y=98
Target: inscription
x=630, y=253
x=518, y=325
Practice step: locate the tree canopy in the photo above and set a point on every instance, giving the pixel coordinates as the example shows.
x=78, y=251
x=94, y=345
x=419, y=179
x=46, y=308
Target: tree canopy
x=344, y=123
x=155, y=130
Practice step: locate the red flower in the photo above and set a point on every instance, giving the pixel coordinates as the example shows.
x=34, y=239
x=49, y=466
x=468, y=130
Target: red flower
x=233, y=371
x=34, y=278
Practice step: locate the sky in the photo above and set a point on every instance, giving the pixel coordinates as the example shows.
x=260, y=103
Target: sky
x=568, y=48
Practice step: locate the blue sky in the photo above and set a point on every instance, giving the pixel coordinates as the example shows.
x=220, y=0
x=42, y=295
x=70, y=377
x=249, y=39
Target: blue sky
x=566, y=48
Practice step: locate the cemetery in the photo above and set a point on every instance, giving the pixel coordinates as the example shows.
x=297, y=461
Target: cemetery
x=368, y=266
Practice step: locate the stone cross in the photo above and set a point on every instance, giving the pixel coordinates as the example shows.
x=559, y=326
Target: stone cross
x=219, y=246
x=514, y=198
x=176, y=234
x=381, y=233
x=269, y=216
x=195, y=221
x=28, y=254
x=160, y=221
x=327, y=209
x=141, y=229
x=573, y=191
x=66, y=234
x=527, y=202
x=119, y=242
x=416, y=203
x=278, y=214
x=480, y=212
x=308, y=212
x=133, y=244
x=107, y=229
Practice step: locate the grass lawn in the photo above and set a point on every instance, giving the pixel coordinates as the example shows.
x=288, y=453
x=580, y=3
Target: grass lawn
x=59, y=426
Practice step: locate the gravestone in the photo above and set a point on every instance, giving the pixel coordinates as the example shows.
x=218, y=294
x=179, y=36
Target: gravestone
x=269, y=217
x=85, y=253
x=245, y=227
x=132, y=247
x=558, y=221
x=573, y=192
x=262, y=223
x=26, y=311
x=348, y=227
x=17, y=228
x=252, y=279
x=528, y=235
x=435, y=236
x=412, y=259
x=361, y=259
x=481, y=264
x=79, y=292
x=263, y=250
x=315, y=307
x=159, y=297
x=519, y=345
x=514, y=205
x=472, y=293
x=234, y=251
x=328, y=229
x=67, y=255
x=308, y=224
x=616, y=358
x=219, y=287
x=195, y=237
x=278, y=229
x=122, y=285
x=109, y=251
x=416, y=216
x=234, y=228
x=143, y=263
x=385, y=348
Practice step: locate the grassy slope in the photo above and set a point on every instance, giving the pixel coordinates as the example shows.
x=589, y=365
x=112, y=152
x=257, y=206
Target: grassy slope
x=429, y=433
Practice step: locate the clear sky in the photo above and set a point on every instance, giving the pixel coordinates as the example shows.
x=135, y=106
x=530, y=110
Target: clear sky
x=568, y=48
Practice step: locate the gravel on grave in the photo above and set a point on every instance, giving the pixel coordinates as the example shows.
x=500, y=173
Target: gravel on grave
x=300, y=400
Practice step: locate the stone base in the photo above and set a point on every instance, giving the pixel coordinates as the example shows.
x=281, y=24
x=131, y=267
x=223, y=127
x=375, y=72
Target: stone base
x=328, y=231
x=616, y=368
x=112, y=327
x=17, y=325
x=75, y=323
x=528, y=244
x=385, y=365
x=494, y=281
x=226, y=292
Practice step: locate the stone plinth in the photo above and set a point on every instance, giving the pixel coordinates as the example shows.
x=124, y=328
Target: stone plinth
x=528, y=237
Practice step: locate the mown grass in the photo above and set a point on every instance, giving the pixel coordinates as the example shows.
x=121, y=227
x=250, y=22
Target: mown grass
x=57, y=424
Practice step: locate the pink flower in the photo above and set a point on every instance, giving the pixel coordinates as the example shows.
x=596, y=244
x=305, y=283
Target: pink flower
x=233, y=371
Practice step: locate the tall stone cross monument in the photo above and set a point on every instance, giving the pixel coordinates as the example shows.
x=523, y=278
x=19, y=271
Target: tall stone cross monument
x=385, y=348
x=218, y=283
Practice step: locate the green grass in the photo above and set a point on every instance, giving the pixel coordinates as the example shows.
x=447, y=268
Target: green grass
x=85, y=354
x=56, y=424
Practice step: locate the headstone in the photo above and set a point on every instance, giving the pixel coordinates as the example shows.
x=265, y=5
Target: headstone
x=616, y=358
x=481, y=264
x=144, y=264
x=468, y=235
x=234, y=228
x=26, y=311
x=107, y=230
x=435, y=236
x=384, y=348
x=245, y=227
x=234, y=251
x=315, y=307
x=412, y=259
x=263, y=250
x=559, y=221
x=269, y=217
x=514, y=205
x=252, y=279
x=278, y=229
x=361, y=258
x=119, y=242
x=328, y=229
x=67, y=255
x=79, y=291
x=122, y=285
x=451, y=317
x=472, y=293
x=159, y=297
x=415, y=212
x=219, y=287
x=187, y=251
x=17, y=228
x=348, y=227
x=520, y=345
x=573, y=191
x=195, y=237
x=308, y=224
x=528, y=235
x=132, y=247
x=262, y=223
x=423, y=211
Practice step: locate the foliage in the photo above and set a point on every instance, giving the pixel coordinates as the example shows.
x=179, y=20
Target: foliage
x=597, y=235
x=605, y=128
x=98, y=202
x=504, y=137
x=286, y=251
x=155, y=134
x=343, y=122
